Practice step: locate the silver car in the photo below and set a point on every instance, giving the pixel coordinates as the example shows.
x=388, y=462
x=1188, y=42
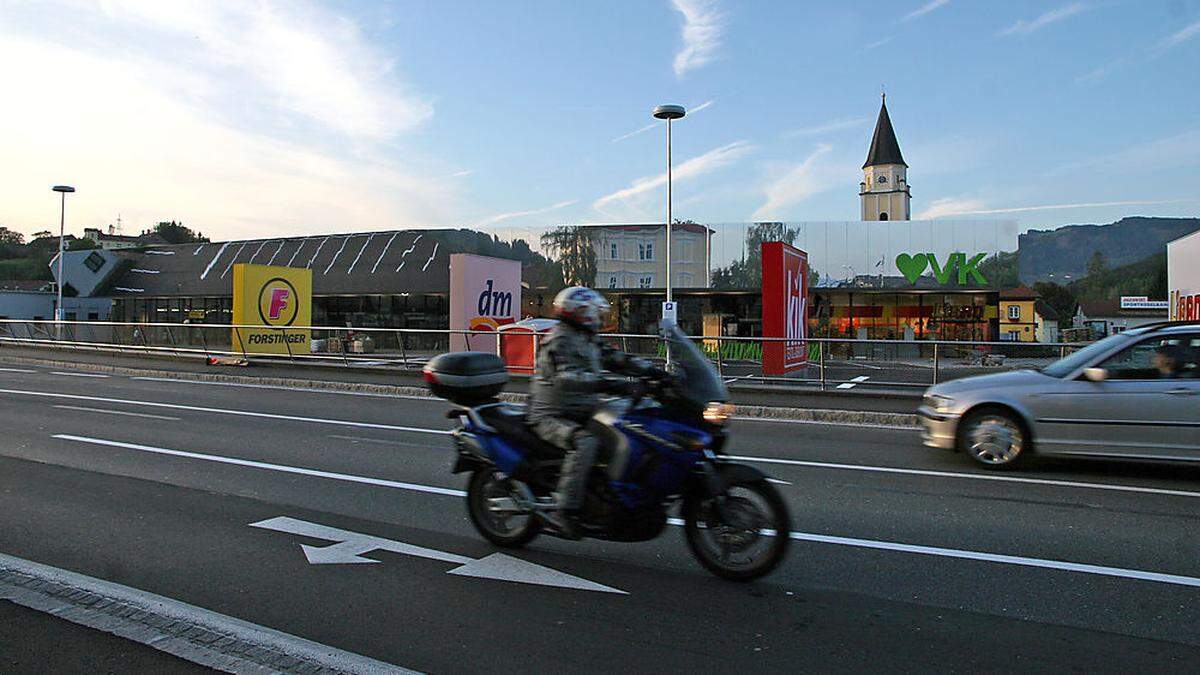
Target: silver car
x=1135, y=394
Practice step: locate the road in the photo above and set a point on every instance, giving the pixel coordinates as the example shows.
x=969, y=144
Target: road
x=902, y=559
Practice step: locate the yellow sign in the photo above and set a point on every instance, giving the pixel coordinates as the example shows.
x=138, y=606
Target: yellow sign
x=279, y=297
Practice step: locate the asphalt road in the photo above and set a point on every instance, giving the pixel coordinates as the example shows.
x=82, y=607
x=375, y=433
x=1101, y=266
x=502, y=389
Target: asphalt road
x=903, y=558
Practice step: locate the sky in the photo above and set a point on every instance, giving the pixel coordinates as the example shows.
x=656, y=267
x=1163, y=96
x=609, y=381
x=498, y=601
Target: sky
x=249, y=118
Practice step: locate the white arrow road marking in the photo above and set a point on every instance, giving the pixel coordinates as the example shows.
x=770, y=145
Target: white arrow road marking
x=351, y=546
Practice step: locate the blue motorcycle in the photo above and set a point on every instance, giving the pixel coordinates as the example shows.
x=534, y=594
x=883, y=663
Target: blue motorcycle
x=658, y=449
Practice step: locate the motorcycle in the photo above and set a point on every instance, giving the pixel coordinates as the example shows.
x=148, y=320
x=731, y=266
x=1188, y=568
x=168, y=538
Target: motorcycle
x=658, y=449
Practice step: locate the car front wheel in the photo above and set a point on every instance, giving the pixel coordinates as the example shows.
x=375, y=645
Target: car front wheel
x=993, y=438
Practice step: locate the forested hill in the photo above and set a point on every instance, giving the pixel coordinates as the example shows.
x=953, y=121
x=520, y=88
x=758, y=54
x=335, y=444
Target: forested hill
x=1067, y=250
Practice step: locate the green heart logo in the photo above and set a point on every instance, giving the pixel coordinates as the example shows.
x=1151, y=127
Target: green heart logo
x=912, y=266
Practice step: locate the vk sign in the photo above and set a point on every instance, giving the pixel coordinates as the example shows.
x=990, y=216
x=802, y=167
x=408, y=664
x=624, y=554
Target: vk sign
x=914, y=265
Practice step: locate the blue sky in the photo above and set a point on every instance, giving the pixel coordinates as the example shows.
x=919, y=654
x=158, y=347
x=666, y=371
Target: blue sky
x=260, y=119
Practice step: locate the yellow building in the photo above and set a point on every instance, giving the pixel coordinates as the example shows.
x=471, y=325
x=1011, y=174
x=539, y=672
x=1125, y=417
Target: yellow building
x=1019, y=320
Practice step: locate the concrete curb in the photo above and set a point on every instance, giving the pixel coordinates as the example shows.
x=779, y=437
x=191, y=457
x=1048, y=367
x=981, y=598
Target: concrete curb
x=816, y=415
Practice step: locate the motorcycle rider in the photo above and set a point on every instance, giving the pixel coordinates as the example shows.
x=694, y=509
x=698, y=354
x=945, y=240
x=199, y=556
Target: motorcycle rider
x=566, y=389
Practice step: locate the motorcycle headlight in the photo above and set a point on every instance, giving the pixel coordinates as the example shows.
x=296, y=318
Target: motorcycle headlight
x=717, y=412
x=938, y=402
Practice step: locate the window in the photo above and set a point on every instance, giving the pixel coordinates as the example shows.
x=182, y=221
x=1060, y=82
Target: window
x=1156, y=358
x=686, y=252
x=883, y=216
x=614, y=251
x=646, y=251
x=646, y=281
x=93, y=316
x=612, y=282
x=94, y=261
x=1014, y=312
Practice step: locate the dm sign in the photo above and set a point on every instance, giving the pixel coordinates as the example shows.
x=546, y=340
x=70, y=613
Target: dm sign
x=485, y=293
x=280, y=297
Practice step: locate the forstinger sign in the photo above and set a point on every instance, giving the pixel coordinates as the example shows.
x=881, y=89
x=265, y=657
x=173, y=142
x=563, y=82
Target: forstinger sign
x=784, y=307
x=279, y=297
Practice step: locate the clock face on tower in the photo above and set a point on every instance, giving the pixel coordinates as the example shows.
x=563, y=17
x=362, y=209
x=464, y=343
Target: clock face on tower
x=881, y=180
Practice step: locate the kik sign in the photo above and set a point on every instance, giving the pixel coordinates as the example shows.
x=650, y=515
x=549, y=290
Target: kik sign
x=785, y=307
x=485, y=293
x=912, y=266
x=276, y=298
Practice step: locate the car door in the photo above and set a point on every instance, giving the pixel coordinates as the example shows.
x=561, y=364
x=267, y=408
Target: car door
x=1137, y=412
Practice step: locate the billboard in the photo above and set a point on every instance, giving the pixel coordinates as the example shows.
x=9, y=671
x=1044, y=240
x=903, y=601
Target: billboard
x=280, y=297
x=784, y=307
x=1183, y=277
x=485, y=293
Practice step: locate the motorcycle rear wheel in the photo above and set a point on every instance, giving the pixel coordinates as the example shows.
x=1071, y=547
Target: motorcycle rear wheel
x=488, y=496
x=759, y=523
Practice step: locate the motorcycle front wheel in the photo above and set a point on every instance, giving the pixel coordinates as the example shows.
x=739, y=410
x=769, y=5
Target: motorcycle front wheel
x=492, y=506
x=745, y=539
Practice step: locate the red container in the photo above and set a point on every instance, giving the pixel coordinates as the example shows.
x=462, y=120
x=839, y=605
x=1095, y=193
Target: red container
x=518, y=343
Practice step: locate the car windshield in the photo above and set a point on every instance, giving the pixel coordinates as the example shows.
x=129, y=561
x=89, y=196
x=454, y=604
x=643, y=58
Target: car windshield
x=1073, y=362
x=701, y=382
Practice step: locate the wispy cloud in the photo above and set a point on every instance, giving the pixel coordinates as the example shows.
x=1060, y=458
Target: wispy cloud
x=925, y=9
x=1161, y=154
x=952, y=206
x=533, y=212
x=654, y=125
x=702, y=28
x=796, y=184
x=1183, y=35
x=708, y=162
x=878, y=43
x=462, y=174
x=828, y=127
x=1024, y=27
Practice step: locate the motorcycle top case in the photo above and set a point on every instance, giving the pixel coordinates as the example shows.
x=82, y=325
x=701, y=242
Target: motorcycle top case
x=466, y=378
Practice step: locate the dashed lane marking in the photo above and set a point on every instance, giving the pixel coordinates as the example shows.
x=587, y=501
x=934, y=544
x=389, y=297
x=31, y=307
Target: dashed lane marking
x=854, y=382
x=63, y=372
x=117, y=412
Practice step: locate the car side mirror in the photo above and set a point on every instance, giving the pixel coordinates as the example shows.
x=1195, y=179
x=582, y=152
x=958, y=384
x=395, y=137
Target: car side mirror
x=1095, y=374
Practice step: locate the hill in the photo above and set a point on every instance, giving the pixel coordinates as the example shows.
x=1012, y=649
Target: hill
x=1067, y=250
x=1147, y=277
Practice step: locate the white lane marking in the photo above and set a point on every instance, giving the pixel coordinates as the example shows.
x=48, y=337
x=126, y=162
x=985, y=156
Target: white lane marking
x=63, y=372
x=970, y=476
x=351, y=545
x=16, y=370
x=1140, y=575
x=280, y=387
x=383, y=441
x=857, y=425
x=853, y=382
x=116, y=412
x=380, y=482
x=223, y=411
x=103, y=617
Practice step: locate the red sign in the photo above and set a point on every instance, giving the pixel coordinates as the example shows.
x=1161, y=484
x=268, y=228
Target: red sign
x=785, y=307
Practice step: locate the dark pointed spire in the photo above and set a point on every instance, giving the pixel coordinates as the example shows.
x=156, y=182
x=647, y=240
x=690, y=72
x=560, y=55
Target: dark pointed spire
x=884, y=147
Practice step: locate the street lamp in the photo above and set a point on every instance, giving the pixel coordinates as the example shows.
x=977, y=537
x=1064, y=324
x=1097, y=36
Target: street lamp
x=669, y=113
x=62, y=222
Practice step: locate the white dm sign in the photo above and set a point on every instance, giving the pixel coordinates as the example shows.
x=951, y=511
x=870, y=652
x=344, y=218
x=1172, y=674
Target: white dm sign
x=669, y=311
x=485, y=293
x=1143, y=302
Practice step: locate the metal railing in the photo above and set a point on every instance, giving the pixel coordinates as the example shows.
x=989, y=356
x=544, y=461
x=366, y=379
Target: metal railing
x=833, y=363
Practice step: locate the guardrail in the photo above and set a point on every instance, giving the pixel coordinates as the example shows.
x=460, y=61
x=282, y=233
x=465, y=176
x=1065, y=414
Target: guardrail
x=832, y=362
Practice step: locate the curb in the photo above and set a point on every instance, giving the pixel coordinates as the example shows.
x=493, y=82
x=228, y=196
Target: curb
x=816, y=415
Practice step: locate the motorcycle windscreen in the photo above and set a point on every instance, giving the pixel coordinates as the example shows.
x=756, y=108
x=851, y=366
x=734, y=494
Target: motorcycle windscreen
x=702, y=383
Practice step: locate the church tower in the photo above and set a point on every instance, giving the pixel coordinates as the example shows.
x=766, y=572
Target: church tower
x=884, y=189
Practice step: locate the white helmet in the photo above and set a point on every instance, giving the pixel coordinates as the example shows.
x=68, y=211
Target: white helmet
x=582, y=307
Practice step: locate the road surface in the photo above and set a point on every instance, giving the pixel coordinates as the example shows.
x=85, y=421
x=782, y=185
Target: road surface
x=902, y=559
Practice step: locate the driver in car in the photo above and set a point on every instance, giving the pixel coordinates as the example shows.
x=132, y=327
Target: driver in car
x=565, y=392
x=1168, y=360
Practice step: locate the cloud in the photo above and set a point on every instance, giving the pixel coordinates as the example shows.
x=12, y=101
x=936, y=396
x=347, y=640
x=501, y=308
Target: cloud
x=653, y=125
x=925, y=9
x=159, y=126
x=878, y=43
x=1171, y=152
x=828, y=127
x=462, y=174
x=708, y=162
x=798, y=183
x=533, y=212
x=1175, y=39
x=952, y=206
x=702, y=28
x=1024, y=27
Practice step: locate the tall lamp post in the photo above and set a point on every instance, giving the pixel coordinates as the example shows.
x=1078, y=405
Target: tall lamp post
x=62, y=223
x=669, y=113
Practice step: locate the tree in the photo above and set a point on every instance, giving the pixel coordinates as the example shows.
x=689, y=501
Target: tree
x=1098, y=264
x=574, y=248
x=1059, y=297
x=747, y=272
x=1001, y=270
x=176, y=233
x=10, y=238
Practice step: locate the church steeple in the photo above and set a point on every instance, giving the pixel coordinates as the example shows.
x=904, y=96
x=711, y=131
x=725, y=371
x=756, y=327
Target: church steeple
x=884, y=190
x=884, y=147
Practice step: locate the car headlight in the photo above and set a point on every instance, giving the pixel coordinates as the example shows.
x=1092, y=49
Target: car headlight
x=717, y=412
x=938, y=402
